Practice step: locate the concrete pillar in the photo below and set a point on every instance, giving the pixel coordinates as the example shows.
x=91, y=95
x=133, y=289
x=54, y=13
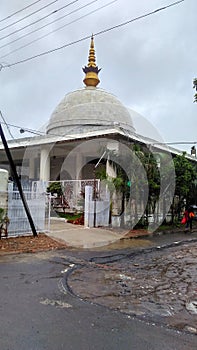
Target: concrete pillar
x=3, y=188
x=79, y=165
x=89, y=207
x=31, y=168
x=111, y=170
x=45, y=163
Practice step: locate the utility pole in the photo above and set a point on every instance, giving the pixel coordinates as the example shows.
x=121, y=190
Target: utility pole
x=13, y=168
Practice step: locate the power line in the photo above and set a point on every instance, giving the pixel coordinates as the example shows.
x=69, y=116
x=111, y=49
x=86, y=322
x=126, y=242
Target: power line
x=61, y=27
x=18, y=11
x=46, y=25
x=6, y=124
x=25, y=129
x=43, y=133
x=31, y=131
x=72, y=137
x=176, y=143
x=27, y=16
x=89, y=36
x=38, y=20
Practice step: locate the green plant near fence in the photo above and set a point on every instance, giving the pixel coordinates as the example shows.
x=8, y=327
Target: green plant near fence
x=4, y=221
x=2, y=214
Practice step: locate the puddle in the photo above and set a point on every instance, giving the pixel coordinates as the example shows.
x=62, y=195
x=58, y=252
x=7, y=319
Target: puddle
x=125, y=244
x=56, y=303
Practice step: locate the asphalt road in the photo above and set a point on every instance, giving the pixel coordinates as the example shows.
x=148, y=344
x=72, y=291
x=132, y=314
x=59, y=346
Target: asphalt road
x=37, y=313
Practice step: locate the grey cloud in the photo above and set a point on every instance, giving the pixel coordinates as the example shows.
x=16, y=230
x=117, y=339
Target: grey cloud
x=149, y=65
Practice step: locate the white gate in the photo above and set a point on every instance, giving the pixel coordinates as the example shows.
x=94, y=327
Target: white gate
x=96, y=209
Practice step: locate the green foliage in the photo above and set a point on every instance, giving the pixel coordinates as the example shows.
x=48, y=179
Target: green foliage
x=184, y=170
x=70, y=216
x=2, y=214
x=55, y=187
x=3, y=217
x=101, y=173
x=118, y=182
x=149, y=163
x=185, y=175
x=195, y=87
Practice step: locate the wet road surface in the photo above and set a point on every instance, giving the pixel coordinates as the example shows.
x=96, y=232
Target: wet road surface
x=39, y=310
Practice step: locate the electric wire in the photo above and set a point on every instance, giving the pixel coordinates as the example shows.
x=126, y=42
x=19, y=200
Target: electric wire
x=27, y=16
x=89, y=36
x=7, y=125
x=43, y=133
x=32, y=131
x=176, y=143
x=38, y=20
x=59, y=28
x=46, y=25
x=18, y=11
x=74, y=42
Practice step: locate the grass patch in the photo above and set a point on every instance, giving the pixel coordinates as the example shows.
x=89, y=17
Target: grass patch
x=169, y=227
x=70, y=216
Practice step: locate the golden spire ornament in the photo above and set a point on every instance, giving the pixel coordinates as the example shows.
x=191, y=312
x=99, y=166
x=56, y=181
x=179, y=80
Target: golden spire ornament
x=91, y=70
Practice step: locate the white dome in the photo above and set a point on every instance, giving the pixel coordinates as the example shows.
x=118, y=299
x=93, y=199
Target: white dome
x=86, y=110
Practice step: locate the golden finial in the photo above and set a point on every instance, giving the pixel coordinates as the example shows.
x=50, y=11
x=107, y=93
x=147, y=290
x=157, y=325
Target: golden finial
x=91, y=70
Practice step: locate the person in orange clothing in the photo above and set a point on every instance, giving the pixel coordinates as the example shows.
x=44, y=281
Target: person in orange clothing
x=189, y=215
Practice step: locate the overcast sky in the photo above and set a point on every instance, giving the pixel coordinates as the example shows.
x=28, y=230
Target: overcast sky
x=148, y=64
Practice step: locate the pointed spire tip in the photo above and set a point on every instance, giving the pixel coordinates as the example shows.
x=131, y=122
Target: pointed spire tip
x=91, y=70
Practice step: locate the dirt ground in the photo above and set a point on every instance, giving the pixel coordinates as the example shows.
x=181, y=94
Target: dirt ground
x=29, y=244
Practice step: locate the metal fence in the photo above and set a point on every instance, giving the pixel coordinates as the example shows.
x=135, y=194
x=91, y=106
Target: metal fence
x=74, y=191
x=19, y=223
x=39, y=203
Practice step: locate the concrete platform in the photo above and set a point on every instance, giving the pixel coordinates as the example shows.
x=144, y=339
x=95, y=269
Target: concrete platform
x=81, y=237
x=77, y=236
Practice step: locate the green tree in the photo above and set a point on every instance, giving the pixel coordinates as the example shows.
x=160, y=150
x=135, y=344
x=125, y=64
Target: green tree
x=120, y=182
x=150, y=165
x=55, y=187
x=4, y=221
x=185, y=179
x=130, y=180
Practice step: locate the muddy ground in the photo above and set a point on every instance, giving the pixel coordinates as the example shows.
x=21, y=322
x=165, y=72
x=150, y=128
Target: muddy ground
x=157, y=285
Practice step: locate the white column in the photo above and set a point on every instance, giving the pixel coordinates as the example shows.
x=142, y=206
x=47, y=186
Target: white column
x=45, y=163
x=3, y=188
x=31, y=168
x=111, y=170
x=79, y=165
x=89, y=207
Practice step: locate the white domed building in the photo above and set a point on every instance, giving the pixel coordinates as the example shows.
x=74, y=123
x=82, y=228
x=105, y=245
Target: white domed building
x=87, y=132
x=88, y=109
x=85, y=123
x=83, y=115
